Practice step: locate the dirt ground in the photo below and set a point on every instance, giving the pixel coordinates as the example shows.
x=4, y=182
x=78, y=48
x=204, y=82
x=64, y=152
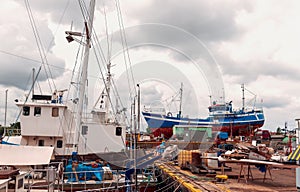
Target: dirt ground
x=282, y=180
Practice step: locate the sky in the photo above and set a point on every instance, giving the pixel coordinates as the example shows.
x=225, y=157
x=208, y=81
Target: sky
x=212, y=47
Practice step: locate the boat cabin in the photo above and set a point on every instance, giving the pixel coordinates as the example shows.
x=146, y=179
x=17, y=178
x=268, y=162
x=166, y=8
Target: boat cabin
x=41, y=122
x=221, y=108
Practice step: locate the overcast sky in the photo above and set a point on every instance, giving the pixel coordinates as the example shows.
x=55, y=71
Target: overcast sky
x=211, y=46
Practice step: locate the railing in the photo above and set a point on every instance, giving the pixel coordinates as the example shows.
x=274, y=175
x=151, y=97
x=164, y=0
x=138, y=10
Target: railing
x=53, y=178
x=155, y=110
x=45, y=178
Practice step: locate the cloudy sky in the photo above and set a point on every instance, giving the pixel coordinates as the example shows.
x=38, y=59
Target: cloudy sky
x=212, y=47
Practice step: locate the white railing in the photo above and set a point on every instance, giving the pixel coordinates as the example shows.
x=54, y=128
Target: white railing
x=53, y=178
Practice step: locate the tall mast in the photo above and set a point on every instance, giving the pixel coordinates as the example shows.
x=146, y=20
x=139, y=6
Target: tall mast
x=243, y=98
x=180, y=100
x=83, y=81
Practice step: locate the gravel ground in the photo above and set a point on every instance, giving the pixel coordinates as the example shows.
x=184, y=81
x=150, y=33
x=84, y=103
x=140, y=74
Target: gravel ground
x=283, y=180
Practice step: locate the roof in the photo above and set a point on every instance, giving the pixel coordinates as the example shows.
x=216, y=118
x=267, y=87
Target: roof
x=25, y=155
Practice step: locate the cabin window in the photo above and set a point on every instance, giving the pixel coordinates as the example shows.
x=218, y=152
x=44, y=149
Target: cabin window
x=84, y=130
x=41, y=142
x=59, y=143
x=37, y=111
x=20, y=183
x=55, y=112
x=26, y=111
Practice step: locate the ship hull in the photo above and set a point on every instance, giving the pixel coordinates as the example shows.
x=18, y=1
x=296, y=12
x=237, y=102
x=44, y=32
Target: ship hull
x=237, y=124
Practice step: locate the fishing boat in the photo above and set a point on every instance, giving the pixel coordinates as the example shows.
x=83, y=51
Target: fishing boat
x=222, y=117
x=65, y=122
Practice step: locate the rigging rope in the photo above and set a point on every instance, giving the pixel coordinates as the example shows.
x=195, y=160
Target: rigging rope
x=59, y=23
x=39, y=45
x=125, y=48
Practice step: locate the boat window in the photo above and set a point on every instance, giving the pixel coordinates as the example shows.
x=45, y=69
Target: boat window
x=41, y=142
x=20, y=183
x=59, y=143
x=218, y=108
x=26, y=111
x=84, y=130
x=55, y=112
x=37, y=111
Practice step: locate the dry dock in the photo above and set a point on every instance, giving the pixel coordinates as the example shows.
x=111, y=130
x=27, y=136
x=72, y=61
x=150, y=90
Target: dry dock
x=283, y=179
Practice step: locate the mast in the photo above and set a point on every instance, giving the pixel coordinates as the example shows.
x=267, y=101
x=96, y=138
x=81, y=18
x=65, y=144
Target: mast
x=83, y=81
x=135, y=140
x=108, y=84
x=136, y=134
x=139, y=109
x=180, y=99
x=33, y=81
x=243, y=98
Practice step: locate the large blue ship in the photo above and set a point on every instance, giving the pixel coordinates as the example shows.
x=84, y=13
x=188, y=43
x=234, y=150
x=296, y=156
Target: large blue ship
x=221, y=117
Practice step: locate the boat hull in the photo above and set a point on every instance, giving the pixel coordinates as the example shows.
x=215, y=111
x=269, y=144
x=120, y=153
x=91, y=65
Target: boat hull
x=237, y=124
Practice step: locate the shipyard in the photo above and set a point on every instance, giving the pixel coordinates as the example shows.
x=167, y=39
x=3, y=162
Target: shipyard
x=149, y=96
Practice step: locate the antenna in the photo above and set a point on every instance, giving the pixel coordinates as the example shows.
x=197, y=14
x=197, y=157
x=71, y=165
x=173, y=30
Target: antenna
x=243, y=98
x=180, y=97
x=210, y=99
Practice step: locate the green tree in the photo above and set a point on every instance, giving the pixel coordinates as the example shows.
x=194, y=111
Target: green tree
x=1, y=130
x=278, y=131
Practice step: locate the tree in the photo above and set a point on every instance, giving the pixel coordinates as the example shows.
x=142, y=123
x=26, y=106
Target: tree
x=278, y=131
x=1, y=131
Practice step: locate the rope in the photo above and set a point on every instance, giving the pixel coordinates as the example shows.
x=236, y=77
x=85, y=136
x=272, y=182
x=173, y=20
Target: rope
x=125, y=47
x=39, y=45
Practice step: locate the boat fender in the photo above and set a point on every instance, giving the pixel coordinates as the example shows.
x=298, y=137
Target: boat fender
x=169, y=114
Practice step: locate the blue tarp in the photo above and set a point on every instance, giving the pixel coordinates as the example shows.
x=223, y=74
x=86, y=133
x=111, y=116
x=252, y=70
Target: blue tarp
x=84, y=172
x=223, y=135
x=7, y=143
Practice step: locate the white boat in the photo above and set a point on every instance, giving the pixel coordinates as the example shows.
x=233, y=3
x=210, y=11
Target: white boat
x=50, y=120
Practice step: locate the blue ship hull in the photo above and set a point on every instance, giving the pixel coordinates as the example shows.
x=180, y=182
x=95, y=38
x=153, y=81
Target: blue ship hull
x=235, y=122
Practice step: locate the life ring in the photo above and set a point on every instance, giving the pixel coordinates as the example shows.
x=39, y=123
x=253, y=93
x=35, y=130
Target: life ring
x=169, y=114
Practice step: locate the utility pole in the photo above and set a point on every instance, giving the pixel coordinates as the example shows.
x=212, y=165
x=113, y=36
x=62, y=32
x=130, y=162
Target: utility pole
x=5, y=113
